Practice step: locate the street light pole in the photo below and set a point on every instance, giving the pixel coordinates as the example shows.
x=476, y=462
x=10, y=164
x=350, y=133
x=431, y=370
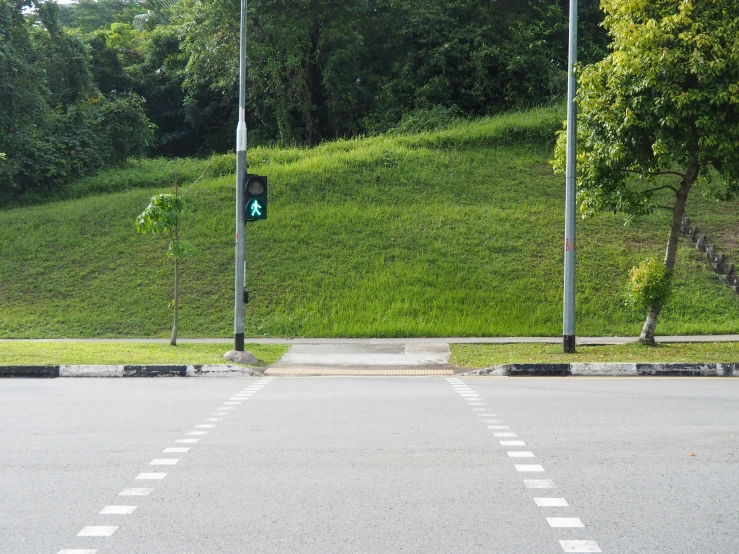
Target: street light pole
x=568, y=323
x=240, y=173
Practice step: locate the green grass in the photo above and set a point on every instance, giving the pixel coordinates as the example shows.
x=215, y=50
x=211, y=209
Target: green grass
x=453, y=232
x=484, y=355
x=92, y=353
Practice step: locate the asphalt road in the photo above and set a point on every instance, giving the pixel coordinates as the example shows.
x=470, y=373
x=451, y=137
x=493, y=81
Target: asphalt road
x=370, y=465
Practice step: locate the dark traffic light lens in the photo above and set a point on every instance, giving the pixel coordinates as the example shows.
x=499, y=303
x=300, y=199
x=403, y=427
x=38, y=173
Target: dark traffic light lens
x=255, y=187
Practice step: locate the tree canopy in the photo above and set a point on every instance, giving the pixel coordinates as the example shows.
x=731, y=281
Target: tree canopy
x=55, y=124
x=99, y=86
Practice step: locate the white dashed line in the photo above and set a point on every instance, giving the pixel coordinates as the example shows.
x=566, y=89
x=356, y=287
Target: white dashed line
x=117, y=510
x=580, y=546
x=97, y=531
x=564, y=522
x=551, y=502
x=108, y=530
x=520, y=454
x=538, y=483
x=524, y=468
x=135, y=492
x=164, y=461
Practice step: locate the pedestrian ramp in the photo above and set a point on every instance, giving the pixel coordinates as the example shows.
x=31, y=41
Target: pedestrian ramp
x=365, y=359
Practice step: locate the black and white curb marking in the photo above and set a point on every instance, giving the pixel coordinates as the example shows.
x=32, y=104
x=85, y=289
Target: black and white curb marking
x=611, y=370
x=151, y=370
x=507, y=370
x=513, y=445
x=157, y=466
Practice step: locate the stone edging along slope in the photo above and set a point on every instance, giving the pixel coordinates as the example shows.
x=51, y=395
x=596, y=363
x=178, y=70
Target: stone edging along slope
x=508, y=370
x=719, y=262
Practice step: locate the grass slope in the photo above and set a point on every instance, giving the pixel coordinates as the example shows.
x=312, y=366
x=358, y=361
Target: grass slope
x=455, y=232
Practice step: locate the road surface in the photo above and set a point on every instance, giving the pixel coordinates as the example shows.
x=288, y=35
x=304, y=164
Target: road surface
x=369, y=465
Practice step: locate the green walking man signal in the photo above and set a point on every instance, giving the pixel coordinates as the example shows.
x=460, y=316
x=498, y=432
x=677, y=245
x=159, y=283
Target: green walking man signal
x=254, y=208
x=255, y=199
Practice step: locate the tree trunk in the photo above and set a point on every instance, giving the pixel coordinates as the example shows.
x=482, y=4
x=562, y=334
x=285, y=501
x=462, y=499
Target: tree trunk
x=173, y=341
x=647, y=332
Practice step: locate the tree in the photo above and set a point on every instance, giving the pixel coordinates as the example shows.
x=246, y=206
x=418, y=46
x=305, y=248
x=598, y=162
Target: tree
x=659, y=113
x=321, y=69
x=92, y=15
x=163, y=215
x=55, y=124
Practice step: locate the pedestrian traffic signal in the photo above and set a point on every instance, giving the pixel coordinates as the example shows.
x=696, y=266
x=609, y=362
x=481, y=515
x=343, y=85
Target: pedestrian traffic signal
x=256, y=197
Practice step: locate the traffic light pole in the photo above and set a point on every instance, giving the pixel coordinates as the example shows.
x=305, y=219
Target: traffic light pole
x=568, y=319
x=240, y=284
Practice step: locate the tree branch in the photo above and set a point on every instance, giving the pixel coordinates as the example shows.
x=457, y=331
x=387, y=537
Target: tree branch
x=656, y=173
x=673, y=189
x=201, y=175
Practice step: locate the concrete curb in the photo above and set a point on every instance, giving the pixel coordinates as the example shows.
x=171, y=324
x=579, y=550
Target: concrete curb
x=610, y=370
x=39, y=371
x=506, y=370
x=215, y=370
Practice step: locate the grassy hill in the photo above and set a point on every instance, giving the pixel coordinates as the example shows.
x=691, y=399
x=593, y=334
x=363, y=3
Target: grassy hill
x=454, y=232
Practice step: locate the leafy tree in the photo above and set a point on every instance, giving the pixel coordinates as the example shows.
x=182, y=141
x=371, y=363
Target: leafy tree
x=107, y=66
x=163, y=215
x=664, y=104
x=54, y=123
x=319, y=69
x=159, y=78
x=93, y=15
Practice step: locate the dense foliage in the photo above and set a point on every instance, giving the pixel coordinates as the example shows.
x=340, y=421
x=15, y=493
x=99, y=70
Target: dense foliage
x=55, y=124
x=103, y=80
x=320, y=69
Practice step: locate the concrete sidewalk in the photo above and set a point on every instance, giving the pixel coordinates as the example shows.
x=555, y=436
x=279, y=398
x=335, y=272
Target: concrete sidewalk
x=413, y=340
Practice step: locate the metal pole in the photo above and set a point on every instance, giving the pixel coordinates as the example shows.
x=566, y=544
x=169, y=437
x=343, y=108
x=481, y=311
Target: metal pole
x=568, y=322
x=240, y=172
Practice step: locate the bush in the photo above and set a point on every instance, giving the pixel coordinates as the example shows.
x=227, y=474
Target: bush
x=649, y=285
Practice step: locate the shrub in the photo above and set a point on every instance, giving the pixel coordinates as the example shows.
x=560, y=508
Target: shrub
x=649, y=285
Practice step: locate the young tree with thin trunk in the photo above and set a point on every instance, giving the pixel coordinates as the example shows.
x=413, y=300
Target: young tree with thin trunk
x=163, y=215
x=659, y=113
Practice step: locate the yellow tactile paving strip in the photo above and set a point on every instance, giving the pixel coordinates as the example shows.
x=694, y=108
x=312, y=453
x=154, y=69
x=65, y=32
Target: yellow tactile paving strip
x=352, y=371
